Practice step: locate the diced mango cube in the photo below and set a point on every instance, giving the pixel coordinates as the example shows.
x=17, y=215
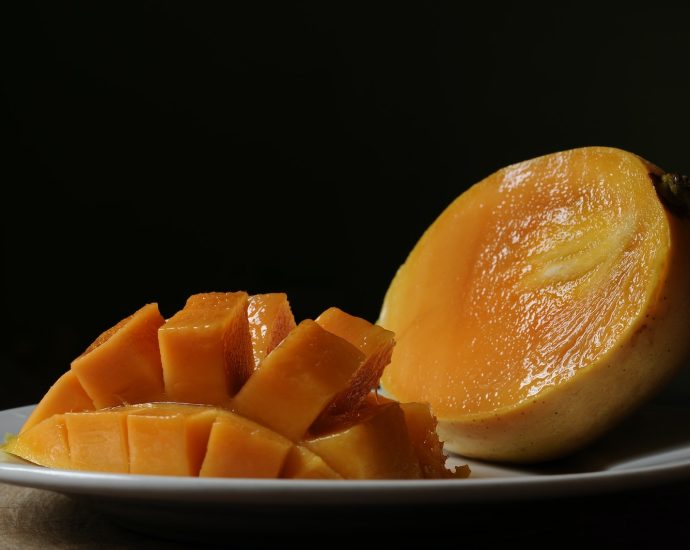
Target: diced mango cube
x=376, y=447
x=376, y=343
x=123, y=364
x=298, y=379
x=301, y=463
x=98, y=441
x=238, y=447
x=206, y=349
x=168, y=441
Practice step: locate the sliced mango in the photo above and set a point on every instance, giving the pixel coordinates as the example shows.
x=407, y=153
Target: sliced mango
x=206, y=349
x=270, y=321
x=66, y=395
x=45, y=443
x=168, y=439
x=207, y=353
x=377, y=447
x=123, y=364
x=98, y=441
x=238, y=447
x=301, y=463
x=376, y=343
x=155, y=439
x=298, y=379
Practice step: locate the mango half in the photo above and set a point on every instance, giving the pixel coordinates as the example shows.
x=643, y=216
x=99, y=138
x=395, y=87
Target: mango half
x=544, y=304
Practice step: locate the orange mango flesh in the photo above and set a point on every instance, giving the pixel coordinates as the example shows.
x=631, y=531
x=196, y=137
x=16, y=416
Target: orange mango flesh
x=168, y=440
x=270, y=321
x=191, y=440
x=98, y=441
x=387, y=441
x=123, y=364
x=66, y=395
x=301, y=463
x=526, y=279
x=45, y=443
x=206, y=349
x=238, y=447
x=155, y=439
x=376, y=447
x=269, y=317
x=421, y=427
x=376, y=343
x=298, y=379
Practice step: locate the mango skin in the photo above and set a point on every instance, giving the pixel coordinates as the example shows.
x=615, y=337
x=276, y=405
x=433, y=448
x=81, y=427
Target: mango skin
x=568, y=416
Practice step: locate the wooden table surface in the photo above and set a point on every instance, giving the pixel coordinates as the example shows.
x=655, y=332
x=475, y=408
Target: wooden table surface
x=34, y=519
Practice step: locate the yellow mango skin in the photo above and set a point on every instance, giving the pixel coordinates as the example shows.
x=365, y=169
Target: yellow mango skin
x=377, y=447
x=578, y=405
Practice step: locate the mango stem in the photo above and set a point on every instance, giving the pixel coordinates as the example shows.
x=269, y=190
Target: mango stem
x=674, y=192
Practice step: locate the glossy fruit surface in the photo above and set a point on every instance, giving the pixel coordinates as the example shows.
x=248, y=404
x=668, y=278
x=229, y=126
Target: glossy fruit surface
x=542, y=305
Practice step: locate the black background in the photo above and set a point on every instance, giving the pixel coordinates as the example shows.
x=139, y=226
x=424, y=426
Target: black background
x=159, y=150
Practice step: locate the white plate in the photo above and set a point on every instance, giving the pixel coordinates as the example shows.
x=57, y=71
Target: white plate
x=636, y=454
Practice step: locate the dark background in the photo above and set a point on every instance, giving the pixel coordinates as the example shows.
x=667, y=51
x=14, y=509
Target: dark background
x=160, y=150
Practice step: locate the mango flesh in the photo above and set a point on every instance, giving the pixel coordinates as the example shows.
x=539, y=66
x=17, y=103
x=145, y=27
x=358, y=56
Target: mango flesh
x=376, y=343
x=541, y=306
x=376, y=447
x=421, y=427
x=305, y=376
x=123, y=364
x=238, y=447
x=98, y=441
x=206, y=349
x=168, y=440
x=114, y=379
x=44, y=443
x=298, y=380
x=301, y=463
x=66, y=395
x=270, y=321
x=196, y=440
x=155, y=439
